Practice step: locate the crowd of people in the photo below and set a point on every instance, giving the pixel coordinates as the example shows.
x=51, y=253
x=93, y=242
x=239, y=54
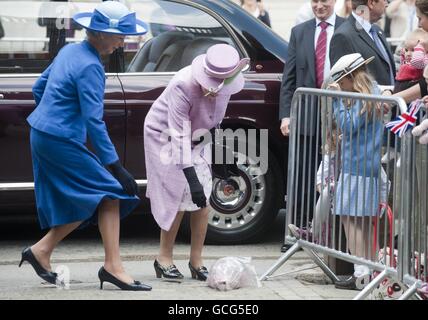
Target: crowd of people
x=352, y=54
x=257, y=9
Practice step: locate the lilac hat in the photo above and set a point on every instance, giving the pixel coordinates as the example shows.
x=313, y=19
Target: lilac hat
x=219, y=70
x=111, y=17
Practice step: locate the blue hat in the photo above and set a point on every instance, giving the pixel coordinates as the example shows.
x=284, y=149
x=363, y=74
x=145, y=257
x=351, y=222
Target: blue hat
x=111, y=17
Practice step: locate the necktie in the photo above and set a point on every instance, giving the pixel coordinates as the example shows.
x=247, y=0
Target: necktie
x=320, y=52
x=385, y=55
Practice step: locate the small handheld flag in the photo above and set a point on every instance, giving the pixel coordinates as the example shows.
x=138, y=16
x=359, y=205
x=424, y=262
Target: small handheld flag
x=405, y=121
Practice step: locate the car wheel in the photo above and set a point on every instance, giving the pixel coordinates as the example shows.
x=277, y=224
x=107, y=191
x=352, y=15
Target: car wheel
x=242, y=208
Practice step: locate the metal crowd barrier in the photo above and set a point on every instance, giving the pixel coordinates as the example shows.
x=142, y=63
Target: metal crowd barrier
x=355, y=191
x=413, y=260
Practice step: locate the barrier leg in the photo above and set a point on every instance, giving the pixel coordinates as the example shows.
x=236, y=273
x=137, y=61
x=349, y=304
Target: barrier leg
x=371, y=286
x=288, y=243
x=280, y=261
x=409, y=292
x=320, y=263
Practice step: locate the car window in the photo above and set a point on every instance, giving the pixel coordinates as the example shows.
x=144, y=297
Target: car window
x=33, y=32
x=177, y=33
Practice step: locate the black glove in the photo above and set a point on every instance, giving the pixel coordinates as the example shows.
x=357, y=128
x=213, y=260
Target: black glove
x=196, y=189
x=233, y=169
x=125, y=179
x=223, y=170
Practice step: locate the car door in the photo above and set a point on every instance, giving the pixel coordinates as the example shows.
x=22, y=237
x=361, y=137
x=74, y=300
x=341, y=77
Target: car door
x=16, y=104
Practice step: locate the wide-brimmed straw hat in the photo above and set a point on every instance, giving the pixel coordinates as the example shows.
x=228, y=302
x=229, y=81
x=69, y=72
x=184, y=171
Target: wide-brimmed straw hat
x=346, y=65
x=111, y=17
x=219, y=70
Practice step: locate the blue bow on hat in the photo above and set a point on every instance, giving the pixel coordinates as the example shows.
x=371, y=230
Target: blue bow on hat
x=111, y=17
x=126, y=24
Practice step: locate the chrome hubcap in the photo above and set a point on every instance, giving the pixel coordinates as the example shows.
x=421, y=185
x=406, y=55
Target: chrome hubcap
x=238, y=200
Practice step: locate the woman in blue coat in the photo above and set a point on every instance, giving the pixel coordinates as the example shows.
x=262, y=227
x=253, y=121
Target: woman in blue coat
x=73, y=186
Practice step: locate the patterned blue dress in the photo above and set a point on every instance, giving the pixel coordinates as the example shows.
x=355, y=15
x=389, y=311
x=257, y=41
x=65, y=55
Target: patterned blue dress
x=362, y=184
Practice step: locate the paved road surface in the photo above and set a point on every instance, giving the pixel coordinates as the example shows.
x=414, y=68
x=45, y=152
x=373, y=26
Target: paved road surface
x=82, y=254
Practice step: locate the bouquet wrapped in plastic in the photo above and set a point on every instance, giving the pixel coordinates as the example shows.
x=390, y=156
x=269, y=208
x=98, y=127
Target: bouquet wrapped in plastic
x=230, y=273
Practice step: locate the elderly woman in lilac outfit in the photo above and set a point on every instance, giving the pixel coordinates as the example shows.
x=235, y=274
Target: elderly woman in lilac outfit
x=178, y=170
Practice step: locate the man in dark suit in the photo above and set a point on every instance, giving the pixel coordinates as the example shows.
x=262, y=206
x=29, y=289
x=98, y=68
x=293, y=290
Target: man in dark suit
x=308, y=64
x=360, y=34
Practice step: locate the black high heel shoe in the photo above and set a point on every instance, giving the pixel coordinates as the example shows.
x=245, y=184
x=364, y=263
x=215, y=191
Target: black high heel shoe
x=106, y=276
x=49, y=276
x=200, y=273
x=170, y=273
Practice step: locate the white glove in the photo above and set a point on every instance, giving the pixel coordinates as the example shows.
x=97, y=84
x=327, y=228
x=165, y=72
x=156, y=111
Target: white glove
x=421, y=130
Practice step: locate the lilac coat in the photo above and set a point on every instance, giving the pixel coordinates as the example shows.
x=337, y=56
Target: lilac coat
x=182, y=102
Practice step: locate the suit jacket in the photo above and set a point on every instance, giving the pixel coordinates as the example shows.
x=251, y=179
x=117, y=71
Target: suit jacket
x=183, y=113
x=70, y=99
x=299, y=70
x=350, y=37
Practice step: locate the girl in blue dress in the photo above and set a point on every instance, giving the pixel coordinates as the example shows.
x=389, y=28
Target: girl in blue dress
x=361, y=183
x=74, y=186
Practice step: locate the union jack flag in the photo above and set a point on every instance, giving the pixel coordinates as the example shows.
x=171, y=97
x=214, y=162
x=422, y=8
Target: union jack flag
x=405, y=121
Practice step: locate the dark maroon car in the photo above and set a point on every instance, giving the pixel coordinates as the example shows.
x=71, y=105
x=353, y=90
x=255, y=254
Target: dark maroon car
x=34, y=31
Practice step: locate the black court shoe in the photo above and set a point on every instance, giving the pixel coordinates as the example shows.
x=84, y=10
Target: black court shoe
x=106, y=276
x=49, y=276
x=169, y=273
x=200, y=273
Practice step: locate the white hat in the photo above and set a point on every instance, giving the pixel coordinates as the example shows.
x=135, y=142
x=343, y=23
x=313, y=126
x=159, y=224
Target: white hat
x=347, y=64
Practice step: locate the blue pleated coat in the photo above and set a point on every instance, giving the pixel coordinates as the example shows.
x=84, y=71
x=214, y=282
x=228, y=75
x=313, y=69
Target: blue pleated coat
x=71, y=181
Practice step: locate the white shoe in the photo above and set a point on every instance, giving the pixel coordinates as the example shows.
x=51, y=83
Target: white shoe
x=362, y=280
x=294, y=230
x=398, y=163
x=388, y=156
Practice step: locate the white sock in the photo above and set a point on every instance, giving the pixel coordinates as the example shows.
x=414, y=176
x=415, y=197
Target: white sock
x=365, y=269
x=358, y=270
x=390, y=155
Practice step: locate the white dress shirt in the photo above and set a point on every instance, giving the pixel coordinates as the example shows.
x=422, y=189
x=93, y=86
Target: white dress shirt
x=364, y=23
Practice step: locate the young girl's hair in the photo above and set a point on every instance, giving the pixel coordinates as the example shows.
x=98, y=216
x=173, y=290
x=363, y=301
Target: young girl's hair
x=332, y=136
x=363, y=83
